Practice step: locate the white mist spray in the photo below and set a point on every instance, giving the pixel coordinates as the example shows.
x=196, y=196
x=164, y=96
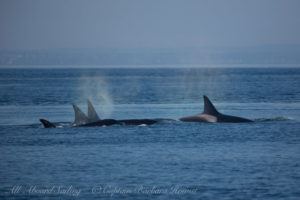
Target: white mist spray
x=96, y=90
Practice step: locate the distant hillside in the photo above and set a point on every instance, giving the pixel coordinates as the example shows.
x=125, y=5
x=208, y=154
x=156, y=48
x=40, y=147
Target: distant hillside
x=289, y=54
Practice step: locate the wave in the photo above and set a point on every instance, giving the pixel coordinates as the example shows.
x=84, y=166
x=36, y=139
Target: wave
x=273, y=119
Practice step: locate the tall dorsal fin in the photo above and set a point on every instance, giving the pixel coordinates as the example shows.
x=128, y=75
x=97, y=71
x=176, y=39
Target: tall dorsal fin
x=209, y=108
x=92, y=114
x=80, y=117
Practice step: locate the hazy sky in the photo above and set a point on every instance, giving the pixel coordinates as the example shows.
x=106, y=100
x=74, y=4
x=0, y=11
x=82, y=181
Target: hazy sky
x=41, y=24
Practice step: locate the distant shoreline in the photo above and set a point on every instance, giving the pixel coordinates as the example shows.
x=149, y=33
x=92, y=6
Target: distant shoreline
x=149, y=66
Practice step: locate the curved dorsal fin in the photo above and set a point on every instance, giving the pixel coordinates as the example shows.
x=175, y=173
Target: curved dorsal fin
x=92, y=114
x=47, y=124
x=209, y=108
x=80, y=117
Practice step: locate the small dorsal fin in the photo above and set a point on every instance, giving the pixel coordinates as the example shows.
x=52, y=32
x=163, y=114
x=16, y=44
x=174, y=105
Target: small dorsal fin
x=209, y=108
x=47, y=124
x=80, y=117
x=92, y=114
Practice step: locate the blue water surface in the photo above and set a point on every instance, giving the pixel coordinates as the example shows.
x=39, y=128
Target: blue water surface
x=174, y=160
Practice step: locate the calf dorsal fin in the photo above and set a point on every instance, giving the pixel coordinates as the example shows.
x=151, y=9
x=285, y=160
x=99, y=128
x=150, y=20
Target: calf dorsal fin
x=209, y=108
x=92, y=114
x=80, y=117
x=47, y=124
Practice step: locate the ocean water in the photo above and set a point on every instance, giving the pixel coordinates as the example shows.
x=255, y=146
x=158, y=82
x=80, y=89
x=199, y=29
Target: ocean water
x=175, y=160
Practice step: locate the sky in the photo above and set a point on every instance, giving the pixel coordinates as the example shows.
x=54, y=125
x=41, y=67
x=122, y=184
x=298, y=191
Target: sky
x=47, y=24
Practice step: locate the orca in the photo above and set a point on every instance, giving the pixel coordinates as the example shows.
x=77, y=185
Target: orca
x=105, y=122
x=210, y=114
x=93, y=119
x=82, y=120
